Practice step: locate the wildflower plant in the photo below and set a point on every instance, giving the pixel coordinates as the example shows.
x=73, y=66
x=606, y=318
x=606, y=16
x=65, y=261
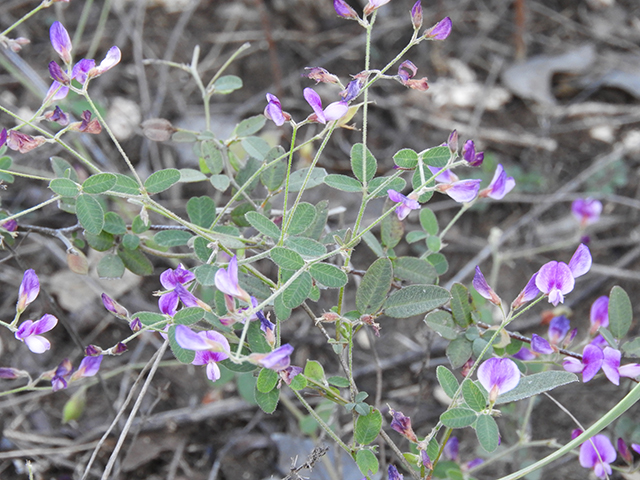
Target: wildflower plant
x=243, y=266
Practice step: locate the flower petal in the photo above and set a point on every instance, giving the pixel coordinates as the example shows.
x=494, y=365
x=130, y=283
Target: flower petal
x=464, y=191
x=611, y=363
x=37, y=344
x=314, y=100
x=61, y=41
x=581, y=260
x=497, y=372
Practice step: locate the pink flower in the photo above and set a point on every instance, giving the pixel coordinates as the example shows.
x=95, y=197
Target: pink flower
x=612, y=369
x=599, y=314
x=592, y=358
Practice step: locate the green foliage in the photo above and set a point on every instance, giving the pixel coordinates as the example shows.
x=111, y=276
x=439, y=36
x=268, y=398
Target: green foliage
x=90, y=214
x=328, y=275
x=442, y=323
x=363, y=165
x=620, y=312
x=263, y=224
x=367, y=462
x=227, y=84
x=136, y=261
x=99, y=183
x=375, y=285
x=436, y=157
x=459, y=417
x=287, y=259
x=368, y=427
x=461, y=305
x=415, y=300
x=110, y=266
x=302, y=217
x=64, y=187
x=201, y=211
x=268, y=402
x=182, y=354
x=447, y=380
x=188, y=316
x=487, y=433
x=406, y=158
x=343, y=183
x=172, y=238
x=267, y=380
x=161, y=180
x=537, y=383
x=414, y=270
x=473, y=396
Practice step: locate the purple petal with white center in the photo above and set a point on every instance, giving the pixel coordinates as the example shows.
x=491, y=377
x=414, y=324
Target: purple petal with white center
x=168, y=303
x=187, y=338
x=581, y=260
x=597, y=453
x=558, y=329
x=273, y=110
x=313, y=99
x=37, y=344
x=45, y=324
x=213, y=371
x=406, y=204
x=556, y=280
x=499, y=373
x=463, y=191
x=61, y=41
x=611, y=364
x=168, y=279
x=525, y=354
x=540, y=345
x=483, y=288
x=440, y=31
x=29, y=289
x=500, y=185
x=336, y=110
x=586, y=210
x=592, y=358
x=111, y=59
x=279, y=359
x=226, y=280
x=81, y=69
x=572, y=365
x=631, y=370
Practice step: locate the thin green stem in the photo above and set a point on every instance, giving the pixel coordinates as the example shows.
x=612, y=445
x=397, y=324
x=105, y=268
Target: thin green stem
x=286, y=185
x=44, y=4
x=32, y=209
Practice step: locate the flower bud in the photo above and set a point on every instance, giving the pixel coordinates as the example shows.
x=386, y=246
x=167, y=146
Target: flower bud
x=92, y=351
x=416, y=15
x=320, y=75
x=29, y=290
x=114, y=307
x=61, y=41
x=135, y=325
x=440, y=30
x=343, y=9
x=158, y=129
x=452, y=142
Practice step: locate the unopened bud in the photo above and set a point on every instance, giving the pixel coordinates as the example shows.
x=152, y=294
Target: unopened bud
x=416, y=15
x=77, y=262
x=158, y=129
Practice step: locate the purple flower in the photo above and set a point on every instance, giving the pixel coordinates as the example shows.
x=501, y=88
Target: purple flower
x=597, y=453
x=524, y=354
x=624, y=451
x=558, y=329
x=210, y=347
x=278, y=360
x=483, y=288
x=402, y=425
x=289, y=373
x=556, y=279
x=29, y=333
x=135, y=325
x=58, y=74
x=426, y=461
x=416, y=15
x=114, y=307
x=406, y=204
x=227, y=282
x=471, y=464
x=373, y=5
x=334, y=111
x=58, y=116
x=88, y=367
x=406, y=71
x=636, y=447
x=528, y=293
x=92, y=351
x=592, y=358
x=586, y=210
x=452, y=141
x=599, y=314
x=61, y=374
x=175, y=281
x=343, y=9
x=440, y=30
x=612, y=369
x=273, y=111
x=499, y=186
x=111, y=59
x=451, y=449
x=469, y=154
x=320, y=75
x=393, y=473
x=11, y=373
x=3, y=137
x=61, y=41
x=28, y=291
x=540, y=345
x=352, y=90
x=462, y=191
x=498, y=375
x=81, y=69
x=599, y=342
x=23, y=143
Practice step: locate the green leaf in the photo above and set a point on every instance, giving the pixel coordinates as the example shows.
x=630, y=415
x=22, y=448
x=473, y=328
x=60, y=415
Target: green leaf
x=211, y=155
x=363, y=170
x=367, y=462
x=487, y=432
x=373, y=243
x=99, y=183
x=442, y=323
x=368, y=427
x=391, y=230
x=182, y=354
x=439, y=262
x=249, y=126
x=537, y=383
x=282, y=312
x=255, y=147
x=205, y=274
x=415, y=300
x=297, y=178
x=303, y=216
x=113, y=223
x=248, y=171
x=101, y=242
x=306, y=247
x=340, y=382
x=5, y=164
x=406, y=158
x=316, y=229
x=632, y=347
x=200, y=248
x=458, y=417
x=161, y=180
x=414, y=270
x=172, y=238
x=201, y=211
x=254, y=285
x=459, y=351
x=110, y=266
x=328, y=275
x=90, y=214
x=433, y=243
x=263, y=224
x=188, y=316
x=139, y=226
x=287, y=259
x=255, y=338
x=375, y=285
x=63, y=169
x=238, y=367
x=447, y=380
x=343, y=183
x=191, y=175
x=125, y=185
x=298, y=383
x=461, y=305
x=473, y=396
x=606, y=334
x=267, y=380
x=183, y=137
x=268, y=402
x=130, y=242
x=220, y=182
x=273, y=176
x=620, y=312
x=64, y=187
x=238, y=214
x=136, y=261
x=428, y=221
x=149, y=318
x=298, y=291
x=227, y=84
x=436, y=157
x=314, y=371
x=396, y=184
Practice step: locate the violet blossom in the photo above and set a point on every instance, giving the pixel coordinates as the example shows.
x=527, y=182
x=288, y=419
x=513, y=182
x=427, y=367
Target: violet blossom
x=416, y=15
x=597, y=453
x=500, y=185
x=393, y=473
x=64, y=374
x=558, y=329
x=528, y=293
x=277, y=360
x=176, y=281
x=462, y=191
x=226, y=281
x=30, y=332
x=210, y=347
x=402, y=425
x=612, y=369
x=61, y=41
x=334, y=111
x=586, y=210
x=58, y=116
x=114, y=307
x=440, y=31
x=88, y=367
x=273, y=111
x=23, y=143
x=483, y=288
x=624, y=451
x=498, y=375
x=556, y=279
x=452, y=449
x=28, y=291
x=406, y=71
x=343, y=9
x=599, y=314
x=592, y=358
x=473, y=158
x=373, y=5
x=406, y=204
x=452, y=142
